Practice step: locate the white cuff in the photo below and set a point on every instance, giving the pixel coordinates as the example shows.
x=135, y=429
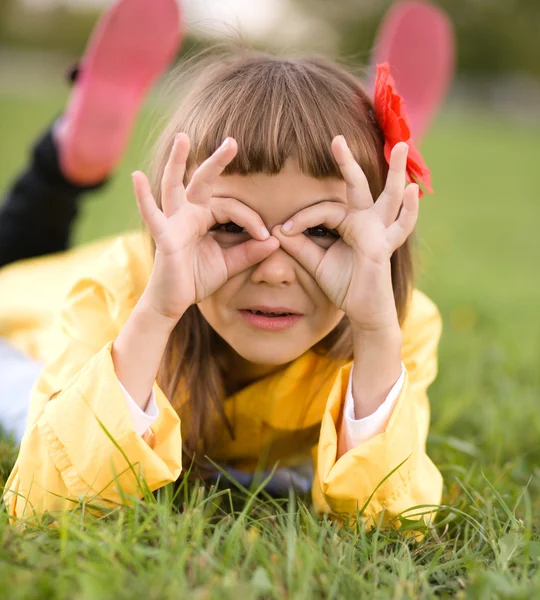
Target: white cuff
x=358, y=431
x=142, y=419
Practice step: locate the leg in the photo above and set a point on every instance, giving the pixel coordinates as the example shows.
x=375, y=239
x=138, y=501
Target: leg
x=298, y=479
x=40, y=208
x=417, y=40
x=130, y=47
x=17, y=374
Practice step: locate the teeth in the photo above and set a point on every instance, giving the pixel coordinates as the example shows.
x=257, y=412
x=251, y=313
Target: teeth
x=259, y=312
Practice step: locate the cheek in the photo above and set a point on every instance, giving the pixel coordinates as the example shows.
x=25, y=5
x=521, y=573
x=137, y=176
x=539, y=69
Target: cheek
x=329, y=319
x=319, y=299
x=327, y=315
x=213, y=307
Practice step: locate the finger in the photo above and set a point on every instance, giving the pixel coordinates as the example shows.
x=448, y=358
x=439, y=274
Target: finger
x=154, y=219
x=388, y=203
x=172, y=184
x=229, y=209
x=302, y=249
x=199, y=189
x=329, y=214
x=358, y=192
x=401, y=229
x=241, y=257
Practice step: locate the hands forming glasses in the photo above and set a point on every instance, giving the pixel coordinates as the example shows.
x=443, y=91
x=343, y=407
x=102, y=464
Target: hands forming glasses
x=354, y=272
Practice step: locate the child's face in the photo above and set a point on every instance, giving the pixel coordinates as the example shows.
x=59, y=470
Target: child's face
x=279, y=282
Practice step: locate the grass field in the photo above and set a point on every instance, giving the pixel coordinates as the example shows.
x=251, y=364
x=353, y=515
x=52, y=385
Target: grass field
x=479, y=249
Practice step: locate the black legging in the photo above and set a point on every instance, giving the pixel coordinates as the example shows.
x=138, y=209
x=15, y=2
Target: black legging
x=38, y=212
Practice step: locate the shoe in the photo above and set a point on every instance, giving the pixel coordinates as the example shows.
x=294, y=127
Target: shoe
x=131, y=46
x=417, y=40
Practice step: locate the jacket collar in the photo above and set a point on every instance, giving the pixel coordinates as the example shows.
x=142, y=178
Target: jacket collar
x=291, y=398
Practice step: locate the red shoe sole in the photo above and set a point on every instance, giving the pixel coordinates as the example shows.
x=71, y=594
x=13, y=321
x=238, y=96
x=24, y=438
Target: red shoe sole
x=131, y=46
x=417, y=40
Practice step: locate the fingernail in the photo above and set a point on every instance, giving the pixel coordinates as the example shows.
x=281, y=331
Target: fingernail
x=286, y=227
x=343, y=140
x=225, y=144
x=264, y=232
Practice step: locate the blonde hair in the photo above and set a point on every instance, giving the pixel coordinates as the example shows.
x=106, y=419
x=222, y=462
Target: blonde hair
x=275, y=108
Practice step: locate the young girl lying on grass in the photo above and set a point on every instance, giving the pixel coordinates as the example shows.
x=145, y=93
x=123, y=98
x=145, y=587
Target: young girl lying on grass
x=231, y=330
x=277, y=320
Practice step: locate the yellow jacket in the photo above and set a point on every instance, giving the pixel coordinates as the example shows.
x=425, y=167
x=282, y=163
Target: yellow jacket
x=66, y=455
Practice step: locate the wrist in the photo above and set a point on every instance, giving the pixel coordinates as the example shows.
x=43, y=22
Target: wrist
x=146, y=312
x=380, y=348
x=377, y=367
x=138, y=350
x=372, y=312
x=389, y=334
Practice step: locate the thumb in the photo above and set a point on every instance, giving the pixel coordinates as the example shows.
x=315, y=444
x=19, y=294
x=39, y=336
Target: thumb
x=245, y=255
x=301, y=248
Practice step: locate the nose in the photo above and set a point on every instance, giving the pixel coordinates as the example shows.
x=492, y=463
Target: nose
x=276, y=270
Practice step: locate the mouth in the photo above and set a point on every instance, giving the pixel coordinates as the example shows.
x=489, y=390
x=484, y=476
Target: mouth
x=269, y=318
x=269, y=314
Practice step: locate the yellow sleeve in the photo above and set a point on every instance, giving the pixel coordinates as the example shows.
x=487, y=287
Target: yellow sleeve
x=343, y=486
x=67, y=453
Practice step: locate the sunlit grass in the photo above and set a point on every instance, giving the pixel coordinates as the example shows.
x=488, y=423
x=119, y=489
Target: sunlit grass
x=195, y=543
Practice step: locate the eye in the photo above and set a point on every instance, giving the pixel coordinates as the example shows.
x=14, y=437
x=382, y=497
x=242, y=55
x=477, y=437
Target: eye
x=229, y=227
x=322, y=236
x=321, y=231
x=229, y=234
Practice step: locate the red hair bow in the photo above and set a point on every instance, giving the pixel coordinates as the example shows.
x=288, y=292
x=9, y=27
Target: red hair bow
x=392, y=118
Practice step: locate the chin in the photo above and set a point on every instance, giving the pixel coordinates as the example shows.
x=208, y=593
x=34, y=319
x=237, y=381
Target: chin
x=264, y=353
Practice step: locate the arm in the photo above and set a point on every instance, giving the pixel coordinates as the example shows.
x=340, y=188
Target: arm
x=345, y=483
x=138, y=350
x=357, y=431
x=65, y=453
x=377, y=368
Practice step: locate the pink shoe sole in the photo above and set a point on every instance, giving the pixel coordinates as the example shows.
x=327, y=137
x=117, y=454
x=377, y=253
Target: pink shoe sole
x=417, y=40
x=131, y=46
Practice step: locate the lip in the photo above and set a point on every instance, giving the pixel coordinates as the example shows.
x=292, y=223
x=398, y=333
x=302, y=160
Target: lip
x=270, y=323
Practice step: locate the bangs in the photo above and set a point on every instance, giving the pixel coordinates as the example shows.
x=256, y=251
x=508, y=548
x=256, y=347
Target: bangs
x=278, y=109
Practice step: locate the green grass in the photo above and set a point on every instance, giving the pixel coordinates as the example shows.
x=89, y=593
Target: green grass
x=480, y=251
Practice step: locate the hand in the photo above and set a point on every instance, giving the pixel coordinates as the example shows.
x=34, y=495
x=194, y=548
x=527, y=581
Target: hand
x=189, y=264
x=354, y=272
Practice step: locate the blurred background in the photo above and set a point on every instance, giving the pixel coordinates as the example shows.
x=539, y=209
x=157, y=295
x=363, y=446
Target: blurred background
x=478, y=240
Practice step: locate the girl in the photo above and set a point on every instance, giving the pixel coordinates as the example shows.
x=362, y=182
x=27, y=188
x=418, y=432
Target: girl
x=273, y=319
